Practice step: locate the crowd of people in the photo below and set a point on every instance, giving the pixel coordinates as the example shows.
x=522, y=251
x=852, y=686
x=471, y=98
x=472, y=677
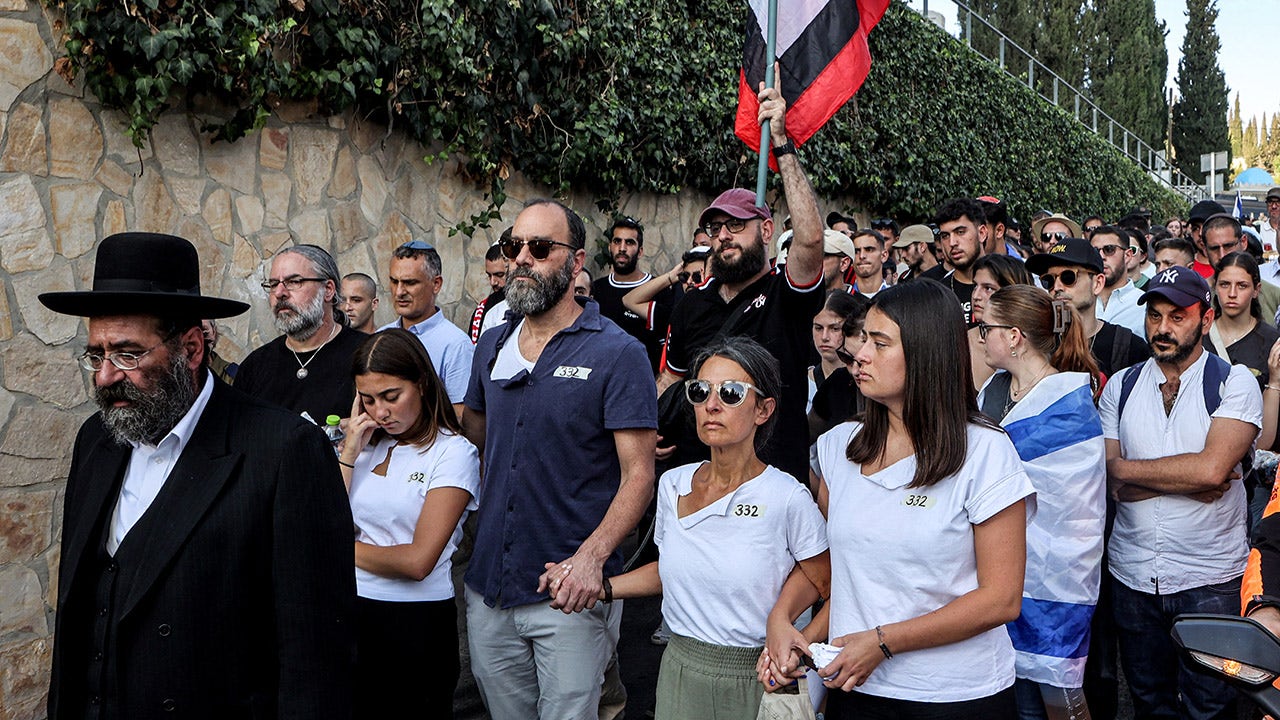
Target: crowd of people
x=946, y=470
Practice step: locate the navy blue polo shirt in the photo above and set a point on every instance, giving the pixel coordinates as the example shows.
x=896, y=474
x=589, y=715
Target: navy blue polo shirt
x=550, y=463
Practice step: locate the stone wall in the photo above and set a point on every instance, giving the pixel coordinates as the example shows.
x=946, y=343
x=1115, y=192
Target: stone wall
x=69, y=177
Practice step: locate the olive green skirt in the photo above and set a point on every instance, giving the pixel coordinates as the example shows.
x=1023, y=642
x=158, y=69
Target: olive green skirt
x=701, y=681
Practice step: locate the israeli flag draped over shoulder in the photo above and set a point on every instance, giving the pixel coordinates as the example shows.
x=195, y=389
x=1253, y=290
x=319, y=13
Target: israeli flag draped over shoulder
x=1058, y=434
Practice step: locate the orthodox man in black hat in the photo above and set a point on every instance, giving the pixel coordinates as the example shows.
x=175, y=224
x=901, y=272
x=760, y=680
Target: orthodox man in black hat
x=207, y=555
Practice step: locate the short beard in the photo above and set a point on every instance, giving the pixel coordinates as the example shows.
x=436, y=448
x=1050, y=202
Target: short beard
x=625, y=268
x=540, y=295
x=1180, y=351
x=751, y=261
x=153, y=413
x=304, y=321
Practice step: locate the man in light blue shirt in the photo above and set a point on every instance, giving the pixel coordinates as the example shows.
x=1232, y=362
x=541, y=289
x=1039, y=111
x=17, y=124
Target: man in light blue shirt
x=415, y=283
x=1118, y=303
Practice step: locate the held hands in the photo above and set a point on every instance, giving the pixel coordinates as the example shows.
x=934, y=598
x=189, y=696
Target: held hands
x=574, y=584
x=779, y=663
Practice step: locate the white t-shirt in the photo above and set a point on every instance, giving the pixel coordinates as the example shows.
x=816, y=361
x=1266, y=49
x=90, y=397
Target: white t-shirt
x=386, y=509
x=723, y=566
x=1172, y=543
x=898, y=553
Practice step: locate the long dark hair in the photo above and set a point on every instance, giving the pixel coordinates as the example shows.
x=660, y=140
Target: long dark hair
x=398, y=353
x=939, y=401
x=1244, y=261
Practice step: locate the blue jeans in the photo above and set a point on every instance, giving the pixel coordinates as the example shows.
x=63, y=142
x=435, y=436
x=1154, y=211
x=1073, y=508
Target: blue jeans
x=1157, y=673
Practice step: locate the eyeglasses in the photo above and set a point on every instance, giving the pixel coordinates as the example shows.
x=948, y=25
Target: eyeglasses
x=292, y=284
x=1052, y=238
x=1222, y=248
x=539, y=248
x=124, y=360
x=685, y=276
x=984, y=328
x=732, y=392
x=1109, y=250
x=735, y=225
x=845, y=356
x=1068, y=278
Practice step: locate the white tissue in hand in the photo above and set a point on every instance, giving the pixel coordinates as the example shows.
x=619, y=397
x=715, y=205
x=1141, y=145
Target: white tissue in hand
x=823, y=654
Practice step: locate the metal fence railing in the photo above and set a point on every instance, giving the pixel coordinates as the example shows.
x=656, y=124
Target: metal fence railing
x=1021, y=65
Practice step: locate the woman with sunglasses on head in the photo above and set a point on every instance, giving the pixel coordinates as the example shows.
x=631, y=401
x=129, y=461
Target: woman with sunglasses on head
x=1042, y=394
x=927, y=505
x=990, y=273
x=827, y=336
x=412, y=478
x=730, y=532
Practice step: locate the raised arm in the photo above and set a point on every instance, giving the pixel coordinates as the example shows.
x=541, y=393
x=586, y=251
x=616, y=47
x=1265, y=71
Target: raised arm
x=641, y=297
x=804, y=260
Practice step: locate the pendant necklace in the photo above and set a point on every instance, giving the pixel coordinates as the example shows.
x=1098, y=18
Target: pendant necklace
x=302, y=366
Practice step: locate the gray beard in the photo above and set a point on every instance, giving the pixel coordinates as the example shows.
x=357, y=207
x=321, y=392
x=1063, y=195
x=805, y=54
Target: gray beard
x=153, y=414
x=537, y=297
x=304, y=321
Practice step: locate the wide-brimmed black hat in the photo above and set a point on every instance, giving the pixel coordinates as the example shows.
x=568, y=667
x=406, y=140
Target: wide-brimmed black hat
x=144, y=274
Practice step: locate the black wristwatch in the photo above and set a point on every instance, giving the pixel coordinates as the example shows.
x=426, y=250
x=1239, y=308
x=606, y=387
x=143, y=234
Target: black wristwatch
x=787, y=148
x=1260, y=601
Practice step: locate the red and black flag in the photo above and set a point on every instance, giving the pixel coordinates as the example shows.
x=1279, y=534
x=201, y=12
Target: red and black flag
x=823, y=56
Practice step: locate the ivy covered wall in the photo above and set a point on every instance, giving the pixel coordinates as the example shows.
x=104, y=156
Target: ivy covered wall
x=610, y=96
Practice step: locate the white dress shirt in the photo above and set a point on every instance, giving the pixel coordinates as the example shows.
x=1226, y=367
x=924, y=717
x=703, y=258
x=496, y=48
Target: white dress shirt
x=149, y=467
x=1122, y=308
x=1170, y=543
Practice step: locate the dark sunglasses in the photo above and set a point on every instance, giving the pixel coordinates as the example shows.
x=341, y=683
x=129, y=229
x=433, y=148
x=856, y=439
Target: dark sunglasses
x=1068, y=278
x=881, y=224
x=732, y=392
x=1110, y=250
x=684, y=277
x=539, y=248
x=1052, y=238
x=845, y=356
x=984, y=328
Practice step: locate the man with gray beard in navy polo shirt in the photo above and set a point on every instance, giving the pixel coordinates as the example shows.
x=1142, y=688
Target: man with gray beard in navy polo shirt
x=561, y=403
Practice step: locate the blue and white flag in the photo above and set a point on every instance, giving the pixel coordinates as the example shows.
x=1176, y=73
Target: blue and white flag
x=1237, y=211
x=1058, y=434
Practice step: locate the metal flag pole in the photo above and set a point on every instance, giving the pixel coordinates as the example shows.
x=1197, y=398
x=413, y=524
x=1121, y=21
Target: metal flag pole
x=770, y=52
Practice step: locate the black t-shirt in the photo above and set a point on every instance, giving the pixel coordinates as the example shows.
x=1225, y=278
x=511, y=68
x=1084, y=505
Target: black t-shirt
x=937, y=272
x=1251, y=350
x=836, y=400
x=482, y=309
x=1116, y=347
x=271, y=373
x=609, y=292
x=964, y=293
x=779, y=316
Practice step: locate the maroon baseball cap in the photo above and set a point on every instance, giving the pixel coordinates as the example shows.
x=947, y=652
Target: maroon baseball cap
x=739, y=203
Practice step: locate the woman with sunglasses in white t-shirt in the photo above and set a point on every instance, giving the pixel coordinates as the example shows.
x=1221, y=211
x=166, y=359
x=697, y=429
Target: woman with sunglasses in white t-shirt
x=927, y=506
x=412, y=478
x=730, y=532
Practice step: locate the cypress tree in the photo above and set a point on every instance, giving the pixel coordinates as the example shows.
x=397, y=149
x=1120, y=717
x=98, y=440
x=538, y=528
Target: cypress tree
x=1200, y=113
x=1249, y=143
x=1127, y=66
x=1271, y=156
x=1235, y=130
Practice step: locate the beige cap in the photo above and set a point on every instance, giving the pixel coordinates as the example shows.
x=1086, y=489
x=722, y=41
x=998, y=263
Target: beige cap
x=835, y=242
x=913, y=234
x=1037, y=227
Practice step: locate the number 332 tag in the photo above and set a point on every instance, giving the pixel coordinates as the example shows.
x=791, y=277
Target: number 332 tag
x=746, y=510
x=920, y=501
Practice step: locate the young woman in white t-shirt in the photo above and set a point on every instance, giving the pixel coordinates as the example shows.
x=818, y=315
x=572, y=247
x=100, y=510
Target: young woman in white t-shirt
x=927, y=524
x=412, y=478
x=730, y=532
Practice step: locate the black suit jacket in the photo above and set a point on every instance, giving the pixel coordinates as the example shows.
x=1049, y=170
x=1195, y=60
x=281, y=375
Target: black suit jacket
x=241, y=604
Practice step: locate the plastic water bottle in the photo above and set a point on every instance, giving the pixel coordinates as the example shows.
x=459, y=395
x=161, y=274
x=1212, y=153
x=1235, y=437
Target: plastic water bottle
x=334, y=431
